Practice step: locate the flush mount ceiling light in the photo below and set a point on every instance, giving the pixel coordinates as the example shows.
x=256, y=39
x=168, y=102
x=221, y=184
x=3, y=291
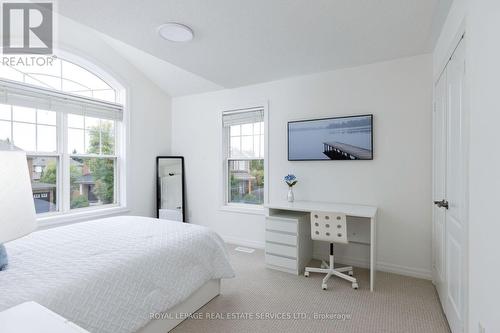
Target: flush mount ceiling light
x=176, y=32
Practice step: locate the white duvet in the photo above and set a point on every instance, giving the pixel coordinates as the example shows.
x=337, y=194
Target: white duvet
x=109, y=275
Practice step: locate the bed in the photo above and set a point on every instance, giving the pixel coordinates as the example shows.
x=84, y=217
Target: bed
x=118, y=274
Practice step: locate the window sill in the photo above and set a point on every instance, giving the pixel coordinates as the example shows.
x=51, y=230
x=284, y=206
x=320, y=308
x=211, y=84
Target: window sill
x=62, y=219
x=243, y=209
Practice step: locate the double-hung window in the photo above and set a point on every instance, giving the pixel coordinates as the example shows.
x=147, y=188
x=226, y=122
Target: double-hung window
x=68, y=121
x=244, y=156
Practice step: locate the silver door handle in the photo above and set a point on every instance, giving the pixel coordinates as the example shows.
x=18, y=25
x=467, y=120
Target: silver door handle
x=442, y=204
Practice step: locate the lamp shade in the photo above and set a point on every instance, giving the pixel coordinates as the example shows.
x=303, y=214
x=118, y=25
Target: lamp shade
x=17, y=209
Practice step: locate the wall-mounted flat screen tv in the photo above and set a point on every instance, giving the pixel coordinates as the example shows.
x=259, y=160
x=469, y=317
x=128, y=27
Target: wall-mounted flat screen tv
x=340, y=138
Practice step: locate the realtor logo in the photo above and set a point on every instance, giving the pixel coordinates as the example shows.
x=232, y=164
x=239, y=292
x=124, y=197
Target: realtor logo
x=27, y=28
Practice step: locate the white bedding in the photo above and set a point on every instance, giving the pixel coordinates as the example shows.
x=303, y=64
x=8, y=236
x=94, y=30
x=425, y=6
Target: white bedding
x=109, y=275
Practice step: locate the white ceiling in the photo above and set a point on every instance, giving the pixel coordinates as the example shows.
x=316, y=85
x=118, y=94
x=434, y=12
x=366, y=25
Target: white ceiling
x=173, y=80
x=241, y=42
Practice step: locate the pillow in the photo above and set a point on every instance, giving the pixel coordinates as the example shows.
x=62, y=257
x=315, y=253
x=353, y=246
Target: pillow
x=3, y=258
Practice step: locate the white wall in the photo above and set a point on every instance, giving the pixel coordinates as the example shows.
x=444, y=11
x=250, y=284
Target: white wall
x=398, y=180
x=149, y=112
x=483, y=25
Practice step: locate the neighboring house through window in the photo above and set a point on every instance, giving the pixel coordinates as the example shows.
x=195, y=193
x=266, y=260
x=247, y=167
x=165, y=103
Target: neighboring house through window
x=244, y=142
x=69, y=122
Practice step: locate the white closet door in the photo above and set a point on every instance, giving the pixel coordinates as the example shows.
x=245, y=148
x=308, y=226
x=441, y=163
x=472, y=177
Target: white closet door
x=439, y=184
x=450, y=190
x=456, y=178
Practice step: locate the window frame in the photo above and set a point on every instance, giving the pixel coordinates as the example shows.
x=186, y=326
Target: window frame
x=225, y=204
x=65, y=214
x=67, y=156
x=63, y=188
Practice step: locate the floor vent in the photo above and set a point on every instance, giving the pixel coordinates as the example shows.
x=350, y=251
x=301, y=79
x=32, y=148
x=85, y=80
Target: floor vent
x=245, y=249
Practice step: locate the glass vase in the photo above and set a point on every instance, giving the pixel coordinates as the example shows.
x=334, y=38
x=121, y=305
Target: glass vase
x=290, y=196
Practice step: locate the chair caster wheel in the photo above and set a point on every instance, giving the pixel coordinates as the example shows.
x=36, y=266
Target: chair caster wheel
x=350, y=273
x=324, y=286
x=355, y=285
x=306, y=274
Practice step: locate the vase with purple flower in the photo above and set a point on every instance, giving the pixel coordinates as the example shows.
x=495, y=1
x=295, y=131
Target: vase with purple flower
x=290, y=180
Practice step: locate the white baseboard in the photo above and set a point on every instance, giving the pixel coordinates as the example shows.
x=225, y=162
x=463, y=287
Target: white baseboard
x=385, y=267
x=351, y=261
x=404, y=270
x=243, y=242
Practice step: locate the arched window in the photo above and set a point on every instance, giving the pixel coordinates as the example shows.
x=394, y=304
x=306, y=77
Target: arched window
x=68, y=121
x=60, y=75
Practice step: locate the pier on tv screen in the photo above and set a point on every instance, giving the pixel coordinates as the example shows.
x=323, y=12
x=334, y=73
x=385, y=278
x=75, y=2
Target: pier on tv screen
x=340, y=138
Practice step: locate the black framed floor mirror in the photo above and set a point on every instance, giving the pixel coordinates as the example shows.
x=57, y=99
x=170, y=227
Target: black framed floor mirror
x=170, y=196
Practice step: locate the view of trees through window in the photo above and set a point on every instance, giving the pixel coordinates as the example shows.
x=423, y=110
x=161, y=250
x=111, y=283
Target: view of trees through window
x=246, y=163
x=246, y=179
x=92, y=179
x=94, y=176
x=43, y=173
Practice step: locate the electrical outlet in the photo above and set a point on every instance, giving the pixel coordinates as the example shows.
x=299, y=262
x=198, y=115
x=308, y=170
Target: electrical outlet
x=481, y=328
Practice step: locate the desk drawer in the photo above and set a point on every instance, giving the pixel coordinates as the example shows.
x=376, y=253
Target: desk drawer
x=281, y=238
x=281, y=262
x=281, y=225
x=282, y=250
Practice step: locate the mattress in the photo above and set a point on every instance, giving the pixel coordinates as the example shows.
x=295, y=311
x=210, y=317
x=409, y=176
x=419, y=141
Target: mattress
x=110, y=275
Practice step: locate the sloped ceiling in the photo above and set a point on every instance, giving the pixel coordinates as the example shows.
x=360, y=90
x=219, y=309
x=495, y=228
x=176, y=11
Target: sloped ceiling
x=240, y=42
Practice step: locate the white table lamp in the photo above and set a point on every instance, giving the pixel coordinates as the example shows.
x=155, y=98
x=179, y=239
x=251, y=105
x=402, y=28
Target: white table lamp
x=17, y=209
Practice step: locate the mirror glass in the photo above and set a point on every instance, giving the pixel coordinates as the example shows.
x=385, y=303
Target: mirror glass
x=170, y=188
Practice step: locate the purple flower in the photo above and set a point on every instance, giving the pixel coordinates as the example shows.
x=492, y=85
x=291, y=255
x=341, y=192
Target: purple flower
x=290, y=180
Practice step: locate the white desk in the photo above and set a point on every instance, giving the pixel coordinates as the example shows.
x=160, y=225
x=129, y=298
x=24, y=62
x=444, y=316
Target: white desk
x=290, y=212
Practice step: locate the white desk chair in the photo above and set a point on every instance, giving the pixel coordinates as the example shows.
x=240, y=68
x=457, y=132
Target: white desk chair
x=332, y=228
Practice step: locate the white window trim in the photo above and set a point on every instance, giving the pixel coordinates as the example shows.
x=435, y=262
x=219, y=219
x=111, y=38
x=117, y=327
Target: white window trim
x=226, y=206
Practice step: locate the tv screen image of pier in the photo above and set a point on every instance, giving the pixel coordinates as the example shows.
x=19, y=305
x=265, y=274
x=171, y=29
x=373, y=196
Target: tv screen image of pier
x=345, y=138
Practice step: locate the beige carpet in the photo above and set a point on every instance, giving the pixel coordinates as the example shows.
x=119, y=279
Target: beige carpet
x=399, y=304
